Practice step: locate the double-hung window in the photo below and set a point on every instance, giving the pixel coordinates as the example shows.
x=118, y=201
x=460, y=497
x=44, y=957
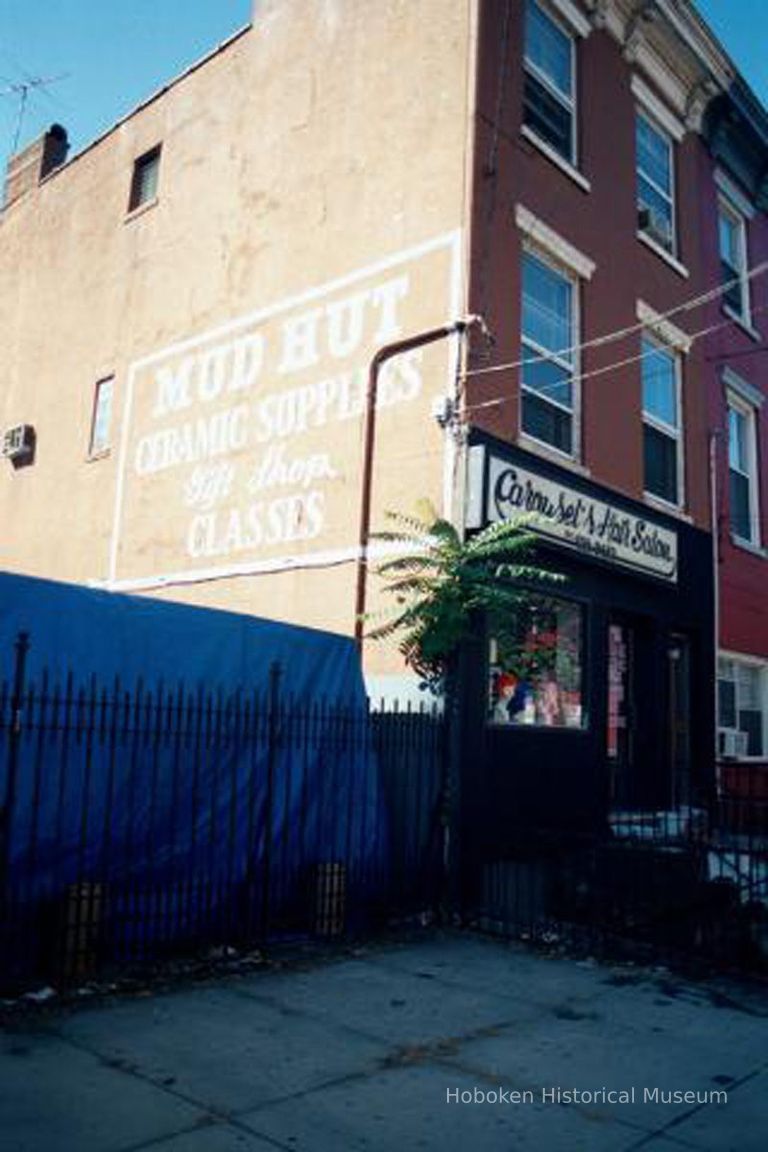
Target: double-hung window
x=662, y=423
x=655, y=183
x=549, y=364
x=732, y=237
x=741, y=698
x=742, y=471
x=549, y=96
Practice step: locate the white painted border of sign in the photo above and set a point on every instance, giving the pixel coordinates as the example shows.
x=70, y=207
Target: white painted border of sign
x=452, y=242
x=486, y=466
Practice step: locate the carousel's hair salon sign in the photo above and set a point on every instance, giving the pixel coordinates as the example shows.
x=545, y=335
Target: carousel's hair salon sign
x=569, y=517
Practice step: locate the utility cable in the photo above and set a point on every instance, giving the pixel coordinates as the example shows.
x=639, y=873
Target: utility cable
x=693, y=336
x=621, y=333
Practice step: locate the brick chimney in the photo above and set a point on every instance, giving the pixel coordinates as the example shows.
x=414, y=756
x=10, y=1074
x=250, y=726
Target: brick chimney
x=27, y=168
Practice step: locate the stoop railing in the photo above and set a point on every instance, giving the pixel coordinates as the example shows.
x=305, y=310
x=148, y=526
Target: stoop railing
x=651, y=884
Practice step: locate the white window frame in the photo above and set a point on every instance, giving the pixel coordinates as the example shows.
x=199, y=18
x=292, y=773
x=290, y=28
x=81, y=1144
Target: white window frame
x=103, y=449
x=749, y=413
x=726, y=207
x=671, y=196
x=573, y=367
x=668, y=430
x=568, y=102
x=762, y=667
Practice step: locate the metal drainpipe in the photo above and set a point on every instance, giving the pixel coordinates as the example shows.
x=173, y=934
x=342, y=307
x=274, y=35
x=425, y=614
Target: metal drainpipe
x=714, y=516
x=381, y=356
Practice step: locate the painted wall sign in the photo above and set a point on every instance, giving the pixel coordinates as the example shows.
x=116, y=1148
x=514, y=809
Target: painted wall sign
x=241, y=448
x=569, y=517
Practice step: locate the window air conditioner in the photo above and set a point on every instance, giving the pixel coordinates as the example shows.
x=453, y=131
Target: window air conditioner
x=655, y=225
x=732, y=744
x=18, y=442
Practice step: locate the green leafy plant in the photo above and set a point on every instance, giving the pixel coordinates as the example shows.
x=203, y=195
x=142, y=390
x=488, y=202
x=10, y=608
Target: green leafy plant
x=441, y=583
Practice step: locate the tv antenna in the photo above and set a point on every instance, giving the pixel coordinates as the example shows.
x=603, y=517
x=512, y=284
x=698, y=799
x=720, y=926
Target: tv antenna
x=22, y=88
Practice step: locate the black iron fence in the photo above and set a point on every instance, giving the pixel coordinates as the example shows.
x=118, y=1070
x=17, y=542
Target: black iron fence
x=144, y=821
x=649, y=883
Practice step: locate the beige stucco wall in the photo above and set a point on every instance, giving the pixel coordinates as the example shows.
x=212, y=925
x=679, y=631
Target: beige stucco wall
x=312, y=172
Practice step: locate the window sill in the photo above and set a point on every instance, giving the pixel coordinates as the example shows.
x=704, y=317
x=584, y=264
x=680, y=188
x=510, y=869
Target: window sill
x=660, y=505
x=559, y=161
x=502, y=726
x=140, y=210
x=749, y=546
x=554, y=455
x=92, y=457
x=667, y=257
x=745, y=326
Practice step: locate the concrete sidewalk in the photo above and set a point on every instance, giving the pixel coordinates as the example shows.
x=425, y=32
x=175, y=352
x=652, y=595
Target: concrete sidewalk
x=377, y=1052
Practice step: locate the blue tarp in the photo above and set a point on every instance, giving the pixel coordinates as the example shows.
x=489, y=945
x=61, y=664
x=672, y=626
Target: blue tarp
x=109, y=634
x=165, y=813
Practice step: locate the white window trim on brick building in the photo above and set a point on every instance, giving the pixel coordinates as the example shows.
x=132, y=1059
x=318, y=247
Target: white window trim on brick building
x=669, y=338
x=740, y=310
x=567, y=362
x=744, y=401
x=729, y=665
x=650, y=232
x=572, y=23
x=553, y=15
x=551, y=249
x=671, y=432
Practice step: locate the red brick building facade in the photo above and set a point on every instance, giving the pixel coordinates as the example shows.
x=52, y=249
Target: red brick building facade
x=612, y=150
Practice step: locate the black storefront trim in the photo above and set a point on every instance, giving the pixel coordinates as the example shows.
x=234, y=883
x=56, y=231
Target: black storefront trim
x=562, y=776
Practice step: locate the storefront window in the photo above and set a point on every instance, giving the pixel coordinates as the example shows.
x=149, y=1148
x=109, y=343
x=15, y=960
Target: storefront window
x=536, y=667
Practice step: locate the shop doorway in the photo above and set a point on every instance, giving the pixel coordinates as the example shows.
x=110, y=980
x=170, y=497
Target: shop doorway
x=679, y=719
x=652, y=766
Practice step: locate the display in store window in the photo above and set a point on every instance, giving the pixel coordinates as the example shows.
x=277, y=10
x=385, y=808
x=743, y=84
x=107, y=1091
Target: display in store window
x=618, y=691
x=536, y=667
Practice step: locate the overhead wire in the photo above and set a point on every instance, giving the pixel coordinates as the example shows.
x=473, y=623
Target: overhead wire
x=622, y=333
x=754, y=517
x=579, y=376
x=28, y=87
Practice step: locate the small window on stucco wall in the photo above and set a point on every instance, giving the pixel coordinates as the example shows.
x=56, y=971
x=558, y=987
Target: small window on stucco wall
x=101, y=419
x=146, y=171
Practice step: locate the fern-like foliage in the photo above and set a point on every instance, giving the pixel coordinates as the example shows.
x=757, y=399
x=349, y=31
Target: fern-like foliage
x=439, y=584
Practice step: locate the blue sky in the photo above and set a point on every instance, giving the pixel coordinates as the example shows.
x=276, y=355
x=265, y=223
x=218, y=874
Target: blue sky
x=742, y=28
x=114, y=53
